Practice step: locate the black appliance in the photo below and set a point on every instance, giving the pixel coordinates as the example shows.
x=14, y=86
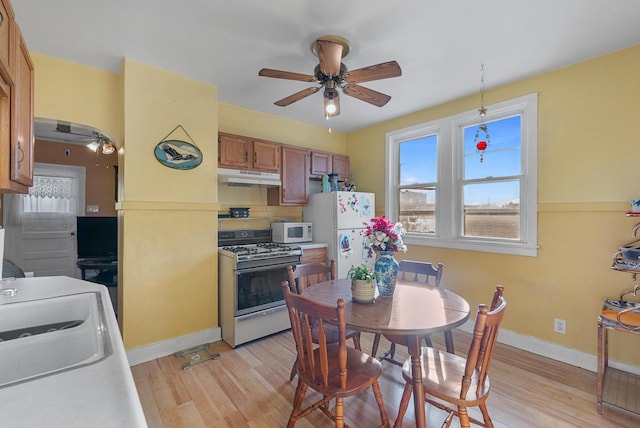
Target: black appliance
x=97, y=238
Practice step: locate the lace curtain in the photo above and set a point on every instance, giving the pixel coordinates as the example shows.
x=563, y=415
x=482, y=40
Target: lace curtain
x=51, y=195
x=52, y=203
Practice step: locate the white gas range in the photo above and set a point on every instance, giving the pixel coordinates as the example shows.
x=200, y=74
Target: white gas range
x=250, y=272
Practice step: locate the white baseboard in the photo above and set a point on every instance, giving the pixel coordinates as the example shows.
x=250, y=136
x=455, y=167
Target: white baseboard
x=517, y=340
x=553, y=350
x=166, y=347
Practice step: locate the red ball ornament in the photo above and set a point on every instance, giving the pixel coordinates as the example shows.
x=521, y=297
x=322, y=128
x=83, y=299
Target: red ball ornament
x=482, y=145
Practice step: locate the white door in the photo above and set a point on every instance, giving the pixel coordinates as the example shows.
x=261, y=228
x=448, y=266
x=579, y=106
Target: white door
x=40, y=227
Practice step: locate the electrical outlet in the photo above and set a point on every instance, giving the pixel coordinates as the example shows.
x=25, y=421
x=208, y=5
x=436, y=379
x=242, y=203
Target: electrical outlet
x=560, y=326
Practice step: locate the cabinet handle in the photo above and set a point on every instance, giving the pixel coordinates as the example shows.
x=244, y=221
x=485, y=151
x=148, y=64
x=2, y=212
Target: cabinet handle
x=255, y=157
x=21, y=158
x=246, y=156
x=1, y=19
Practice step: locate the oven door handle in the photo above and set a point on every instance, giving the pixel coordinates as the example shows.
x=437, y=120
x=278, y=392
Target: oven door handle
x=262, y=268
x=262, y=312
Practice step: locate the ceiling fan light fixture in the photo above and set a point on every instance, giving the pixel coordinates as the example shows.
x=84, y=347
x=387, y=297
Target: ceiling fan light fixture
x=330, y=105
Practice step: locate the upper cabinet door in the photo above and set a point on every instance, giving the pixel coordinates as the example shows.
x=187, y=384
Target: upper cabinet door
x=233, y=151
x=22, y=139
x=266, y=156
x=295, y=178
x=341, y=166
x=320, y=164
x=6, y=36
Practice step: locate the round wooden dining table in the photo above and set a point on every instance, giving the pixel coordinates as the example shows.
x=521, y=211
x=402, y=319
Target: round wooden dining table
x=413, y=311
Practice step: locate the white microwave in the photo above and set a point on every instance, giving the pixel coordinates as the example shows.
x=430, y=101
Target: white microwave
x=289, y=233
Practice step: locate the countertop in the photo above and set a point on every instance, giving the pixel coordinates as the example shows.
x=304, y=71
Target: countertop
x=100, y=395
x=311, y=245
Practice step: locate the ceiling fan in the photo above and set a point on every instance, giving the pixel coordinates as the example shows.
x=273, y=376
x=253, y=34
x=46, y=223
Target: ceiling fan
x=331, y=74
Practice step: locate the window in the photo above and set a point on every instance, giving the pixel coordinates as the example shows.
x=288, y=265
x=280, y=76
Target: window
x=448, y=194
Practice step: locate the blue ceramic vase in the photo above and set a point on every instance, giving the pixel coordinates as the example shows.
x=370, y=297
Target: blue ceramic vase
x=387, y=269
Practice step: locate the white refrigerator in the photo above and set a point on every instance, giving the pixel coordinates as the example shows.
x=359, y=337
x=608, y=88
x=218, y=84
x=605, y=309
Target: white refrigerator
x=339, y=219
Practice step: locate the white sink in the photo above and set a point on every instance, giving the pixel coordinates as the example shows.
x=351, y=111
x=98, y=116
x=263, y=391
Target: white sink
x=46, y=336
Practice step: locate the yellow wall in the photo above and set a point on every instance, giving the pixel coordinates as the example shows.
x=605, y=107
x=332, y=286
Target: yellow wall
x=588, y=152
x=74, y=93
x=241, y=121
x=169, y=269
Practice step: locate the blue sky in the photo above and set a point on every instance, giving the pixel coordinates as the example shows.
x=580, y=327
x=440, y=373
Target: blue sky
x=502, y=157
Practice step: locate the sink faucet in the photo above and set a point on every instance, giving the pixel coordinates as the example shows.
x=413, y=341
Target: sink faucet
x=10, y=292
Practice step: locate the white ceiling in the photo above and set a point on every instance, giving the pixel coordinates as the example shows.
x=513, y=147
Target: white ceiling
x=440, y=45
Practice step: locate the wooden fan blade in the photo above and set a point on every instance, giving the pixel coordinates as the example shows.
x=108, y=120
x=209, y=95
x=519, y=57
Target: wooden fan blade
x=296, y=97
x=365, y=94
x=279, y=74
x=374, y=72
x=330, y=56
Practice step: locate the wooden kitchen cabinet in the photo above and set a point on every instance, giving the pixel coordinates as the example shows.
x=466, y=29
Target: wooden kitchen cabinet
x=294, y=175
x=340, y=166
x=16, y=109
x=238, y=152
x=323, y=163
x=266, y=156
x=233, y=151
x=6, y=37
x=314, y=255
x=22, y=140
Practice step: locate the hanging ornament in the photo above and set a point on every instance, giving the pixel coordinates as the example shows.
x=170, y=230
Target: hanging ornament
x=482, y=141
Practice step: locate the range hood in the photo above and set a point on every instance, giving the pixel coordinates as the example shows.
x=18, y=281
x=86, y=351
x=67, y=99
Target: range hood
x=240, y=177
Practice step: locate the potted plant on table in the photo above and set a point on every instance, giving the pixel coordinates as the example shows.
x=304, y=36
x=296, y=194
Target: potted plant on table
x=363, y=283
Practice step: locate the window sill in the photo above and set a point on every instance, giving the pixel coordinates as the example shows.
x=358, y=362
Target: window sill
x=510, y=248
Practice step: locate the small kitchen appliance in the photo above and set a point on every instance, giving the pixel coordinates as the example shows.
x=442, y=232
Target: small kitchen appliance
x=290, y=232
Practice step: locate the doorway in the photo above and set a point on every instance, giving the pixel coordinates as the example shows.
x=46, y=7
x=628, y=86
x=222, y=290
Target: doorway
x=40, y=226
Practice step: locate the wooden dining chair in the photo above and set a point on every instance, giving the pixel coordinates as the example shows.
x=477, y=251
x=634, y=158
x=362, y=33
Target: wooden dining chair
x=453, y=383
x=420, y=272
x=329, y=367
x=307, y=275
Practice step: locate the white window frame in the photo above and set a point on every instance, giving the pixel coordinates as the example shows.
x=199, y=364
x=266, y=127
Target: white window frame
x=450, y=153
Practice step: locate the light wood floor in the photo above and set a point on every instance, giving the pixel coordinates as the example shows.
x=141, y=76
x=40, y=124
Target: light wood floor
x=249, y=387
